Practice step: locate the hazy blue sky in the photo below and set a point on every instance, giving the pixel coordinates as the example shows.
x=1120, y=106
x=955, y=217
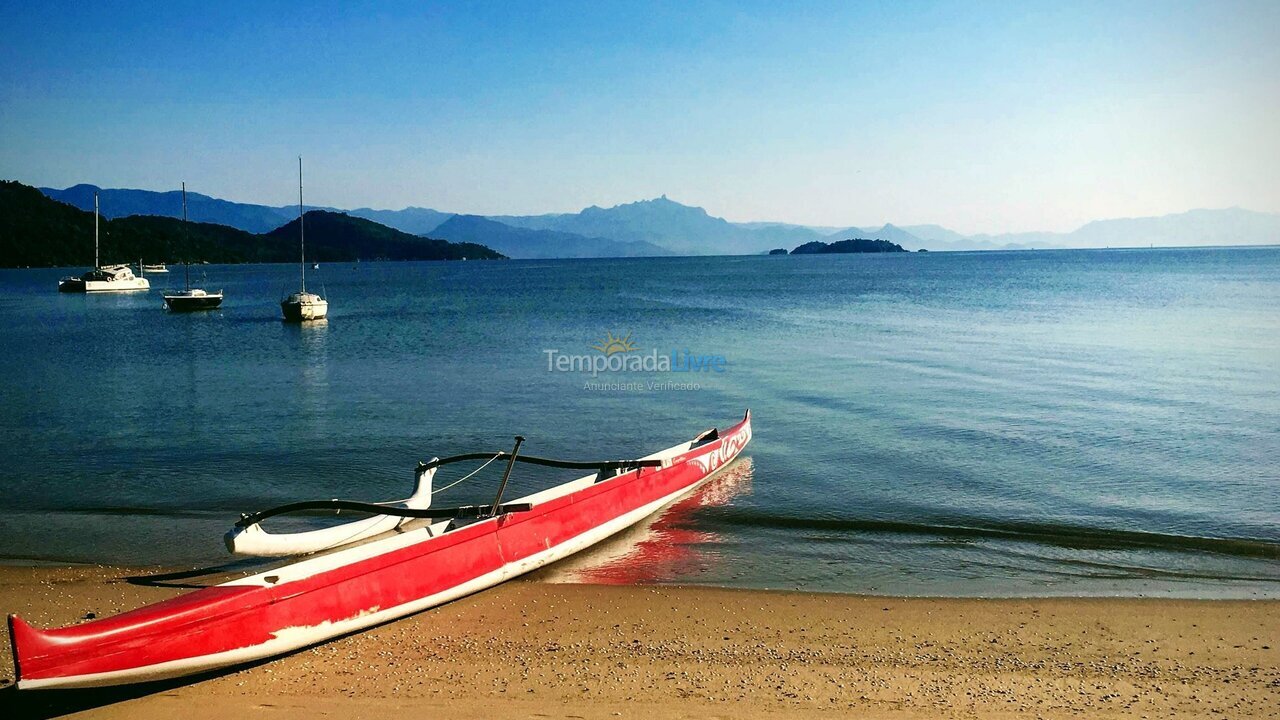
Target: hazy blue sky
x=1007, y=116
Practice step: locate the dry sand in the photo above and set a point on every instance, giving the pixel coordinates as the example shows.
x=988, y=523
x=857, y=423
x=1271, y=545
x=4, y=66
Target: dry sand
x=538, y=650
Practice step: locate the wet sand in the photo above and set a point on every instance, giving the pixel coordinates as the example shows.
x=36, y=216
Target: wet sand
x=532, y=649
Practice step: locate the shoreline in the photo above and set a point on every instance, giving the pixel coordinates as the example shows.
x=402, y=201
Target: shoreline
x=1109, y=248
x=586, y=569
x=530, y=647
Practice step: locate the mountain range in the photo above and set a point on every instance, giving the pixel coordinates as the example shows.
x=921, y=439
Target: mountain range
x=524, y=242
x=36, y=230
x=681, y=229
x=664, y=227
x=118, y=203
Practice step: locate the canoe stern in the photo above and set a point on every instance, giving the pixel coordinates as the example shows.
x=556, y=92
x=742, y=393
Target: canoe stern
x=17, y=627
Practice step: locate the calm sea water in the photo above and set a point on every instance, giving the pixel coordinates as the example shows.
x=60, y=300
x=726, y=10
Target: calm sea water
x=1068, y=422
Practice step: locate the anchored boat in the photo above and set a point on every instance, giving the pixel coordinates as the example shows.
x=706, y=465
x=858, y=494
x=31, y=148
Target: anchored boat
x=303, y=306
x=108, y=278
x=104, y=278
x=190, y=299
x=363, y=574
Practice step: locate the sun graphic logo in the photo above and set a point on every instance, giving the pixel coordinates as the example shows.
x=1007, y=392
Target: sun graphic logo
x=610, y=345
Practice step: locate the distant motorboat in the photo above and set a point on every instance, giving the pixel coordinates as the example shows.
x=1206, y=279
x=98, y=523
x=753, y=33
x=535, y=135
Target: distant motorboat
x=303, y=306
x=191, y=298
x=158, y=268
x=103, y=278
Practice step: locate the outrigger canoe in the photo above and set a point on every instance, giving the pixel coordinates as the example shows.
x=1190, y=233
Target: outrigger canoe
x=405, y=558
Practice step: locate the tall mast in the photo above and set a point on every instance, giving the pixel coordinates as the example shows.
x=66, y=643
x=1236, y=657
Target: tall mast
x=302, y=233
x=185, y=241
x=95, y=231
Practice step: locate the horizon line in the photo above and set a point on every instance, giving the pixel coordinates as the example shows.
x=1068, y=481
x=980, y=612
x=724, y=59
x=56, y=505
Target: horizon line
x=881, y=225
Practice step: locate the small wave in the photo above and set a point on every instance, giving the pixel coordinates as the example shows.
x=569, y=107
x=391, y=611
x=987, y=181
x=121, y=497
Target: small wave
x=1058, y=534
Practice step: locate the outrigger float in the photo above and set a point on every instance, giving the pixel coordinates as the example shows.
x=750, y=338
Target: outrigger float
x=405, y=558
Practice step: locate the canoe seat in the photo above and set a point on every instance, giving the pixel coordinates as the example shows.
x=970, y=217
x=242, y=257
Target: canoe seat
x=709, y=436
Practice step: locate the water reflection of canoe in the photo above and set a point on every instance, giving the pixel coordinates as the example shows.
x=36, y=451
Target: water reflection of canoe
x=666, y=547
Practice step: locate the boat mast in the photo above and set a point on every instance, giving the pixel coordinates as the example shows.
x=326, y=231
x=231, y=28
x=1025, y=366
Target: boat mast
x=185, y=241
x=95, y=231
x=302, y=233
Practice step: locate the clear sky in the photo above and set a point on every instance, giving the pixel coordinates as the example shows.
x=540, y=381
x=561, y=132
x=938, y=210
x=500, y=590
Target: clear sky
x=981, y=117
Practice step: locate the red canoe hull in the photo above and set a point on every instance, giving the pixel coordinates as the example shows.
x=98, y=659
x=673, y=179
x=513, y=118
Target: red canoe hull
x=325, y=596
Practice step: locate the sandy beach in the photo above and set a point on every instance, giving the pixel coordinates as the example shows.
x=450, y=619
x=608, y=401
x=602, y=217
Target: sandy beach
x=534, y=649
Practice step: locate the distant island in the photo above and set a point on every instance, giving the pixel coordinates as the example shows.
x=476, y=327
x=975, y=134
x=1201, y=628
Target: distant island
x=37, y=231
x=778, y=251
x=854, y=245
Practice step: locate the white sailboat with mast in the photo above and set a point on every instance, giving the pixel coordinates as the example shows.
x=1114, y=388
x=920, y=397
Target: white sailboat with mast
x=190, y=298
x=303, y=306
x=103, y=278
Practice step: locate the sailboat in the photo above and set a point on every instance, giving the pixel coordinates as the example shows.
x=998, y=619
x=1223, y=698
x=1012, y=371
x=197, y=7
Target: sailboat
x=103, y=278
x=302, y=305
x=190, y=298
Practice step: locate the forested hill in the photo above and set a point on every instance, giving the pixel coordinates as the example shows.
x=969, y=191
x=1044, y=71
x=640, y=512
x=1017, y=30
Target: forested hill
x=339, y=236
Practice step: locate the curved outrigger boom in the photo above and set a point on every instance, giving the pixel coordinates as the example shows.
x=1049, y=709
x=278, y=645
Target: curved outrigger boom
x=248, y=538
